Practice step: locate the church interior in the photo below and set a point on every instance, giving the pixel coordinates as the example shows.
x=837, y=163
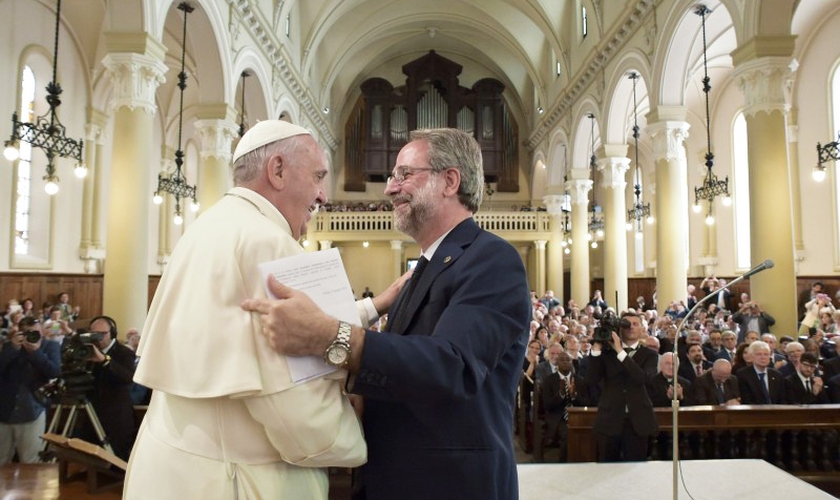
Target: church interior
x=629, y=146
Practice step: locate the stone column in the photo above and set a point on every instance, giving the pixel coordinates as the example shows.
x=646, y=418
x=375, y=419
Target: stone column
x=217, y=131
x=613, y=168
x=763, y=80
x=539, y=265
x=669, y=130
x=554, y=271
x=134, y=65
x=795, y=189
x=397, y=248
x=325, y=244
x=579, y=187
x=92, y=254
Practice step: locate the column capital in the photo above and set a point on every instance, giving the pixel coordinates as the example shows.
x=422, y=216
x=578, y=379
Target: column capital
x=135, y=78
x=668, y=138
x=539, y=244
x=217, y=137
x=579, y=191
x=325, y=244
x=396, y=244
x=612, y=171
x=554, y=203
x=765, y=83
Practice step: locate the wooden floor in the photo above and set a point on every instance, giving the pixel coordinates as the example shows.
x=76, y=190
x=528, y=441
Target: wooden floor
x=40, y=482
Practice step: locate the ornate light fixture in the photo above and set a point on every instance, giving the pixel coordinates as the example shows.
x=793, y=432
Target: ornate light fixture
x=176, y=184
x=565, y=207
x=825, y=154
x=596, y=220
x=712, y=186
x=640, y=209
x=243, y=126
x=47, y=132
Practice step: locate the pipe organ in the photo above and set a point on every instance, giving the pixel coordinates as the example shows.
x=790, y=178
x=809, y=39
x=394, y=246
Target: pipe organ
x=379, y=124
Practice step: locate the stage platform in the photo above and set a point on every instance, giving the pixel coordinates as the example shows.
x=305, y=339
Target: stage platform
x=703, y=479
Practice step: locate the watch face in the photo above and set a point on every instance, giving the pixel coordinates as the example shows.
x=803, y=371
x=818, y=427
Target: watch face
x=337, y=356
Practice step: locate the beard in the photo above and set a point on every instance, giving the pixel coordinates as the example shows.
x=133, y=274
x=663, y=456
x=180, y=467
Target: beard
x=419, y=208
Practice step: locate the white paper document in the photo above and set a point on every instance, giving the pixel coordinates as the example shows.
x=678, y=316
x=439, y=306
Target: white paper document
x=322, y=277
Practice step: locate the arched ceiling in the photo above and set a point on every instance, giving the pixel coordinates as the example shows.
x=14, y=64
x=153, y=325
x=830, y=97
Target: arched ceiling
x=345, y=42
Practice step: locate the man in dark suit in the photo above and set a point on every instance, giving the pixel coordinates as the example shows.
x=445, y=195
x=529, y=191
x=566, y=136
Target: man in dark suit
x=561, y=390
x=625, y=420
x=113, y=371
x=716, y=387
x=803, y=388
x=752, y=318
x=661, y=386
x=759, y=384
x=440, y=383
x=548, y=366
x=694, y=365
x=730, y=342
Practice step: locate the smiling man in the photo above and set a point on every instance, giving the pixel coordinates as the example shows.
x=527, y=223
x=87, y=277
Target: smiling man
x=440, y=383
x=225, y=420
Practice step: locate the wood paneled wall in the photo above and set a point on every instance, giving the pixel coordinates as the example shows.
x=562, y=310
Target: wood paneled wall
x=85, y=290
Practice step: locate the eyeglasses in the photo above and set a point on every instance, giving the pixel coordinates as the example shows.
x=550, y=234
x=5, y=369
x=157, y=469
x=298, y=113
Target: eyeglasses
x=400, y=174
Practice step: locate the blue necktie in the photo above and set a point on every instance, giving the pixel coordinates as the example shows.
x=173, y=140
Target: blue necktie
x=764, y=390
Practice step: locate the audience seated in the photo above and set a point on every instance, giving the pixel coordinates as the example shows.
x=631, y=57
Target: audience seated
x=716, y=387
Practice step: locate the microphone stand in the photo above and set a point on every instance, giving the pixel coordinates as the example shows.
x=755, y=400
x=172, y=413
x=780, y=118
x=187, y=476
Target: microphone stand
x=675, y=403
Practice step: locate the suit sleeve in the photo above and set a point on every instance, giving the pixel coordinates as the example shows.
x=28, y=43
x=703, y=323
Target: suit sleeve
x=481, y=315
x=120, y=371
x=551, y=398
x=311, y=424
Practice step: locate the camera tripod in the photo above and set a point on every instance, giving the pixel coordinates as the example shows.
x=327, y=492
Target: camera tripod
x=73, y=407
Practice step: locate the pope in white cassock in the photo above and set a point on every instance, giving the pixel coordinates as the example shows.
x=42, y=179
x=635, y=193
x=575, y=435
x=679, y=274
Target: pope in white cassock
x=225, y=419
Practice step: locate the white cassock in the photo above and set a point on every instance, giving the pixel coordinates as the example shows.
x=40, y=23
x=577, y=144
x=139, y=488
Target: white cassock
x=225, y=420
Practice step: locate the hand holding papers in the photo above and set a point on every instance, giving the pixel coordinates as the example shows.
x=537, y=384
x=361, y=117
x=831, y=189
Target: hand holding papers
x=321, y=276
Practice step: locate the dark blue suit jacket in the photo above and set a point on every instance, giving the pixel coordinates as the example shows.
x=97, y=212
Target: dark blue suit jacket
x=439, y=396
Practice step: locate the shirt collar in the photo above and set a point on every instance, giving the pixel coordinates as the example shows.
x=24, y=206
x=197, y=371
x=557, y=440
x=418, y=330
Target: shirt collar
x=105, y=351
x=430, y=252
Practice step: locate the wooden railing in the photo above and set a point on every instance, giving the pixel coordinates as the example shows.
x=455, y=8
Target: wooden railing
x=803, y=440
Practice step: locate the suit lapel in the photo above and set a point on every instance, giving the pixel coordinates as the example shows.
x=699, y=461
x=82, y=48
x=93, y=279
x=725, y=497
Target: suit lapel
x=449, y=251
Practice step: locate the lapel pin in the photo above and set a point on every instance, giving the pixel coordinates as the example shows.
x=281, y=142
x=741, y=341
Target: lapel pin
x=447, y=259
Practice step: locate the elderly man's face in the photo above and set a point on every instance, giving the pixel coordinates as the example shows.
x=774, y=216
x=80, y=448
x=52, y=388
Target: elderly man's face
x=304, y=190
x=721, y=372
x=760, y=358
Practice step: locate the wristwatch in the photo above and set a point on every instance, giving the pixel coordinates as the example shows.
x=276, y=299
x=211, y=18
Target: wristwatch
x=338, y=353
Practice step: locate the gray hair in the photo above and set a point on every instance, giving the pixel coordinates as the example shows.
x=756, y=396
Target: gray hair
x=247, y=167
x=758, y=345
x=453, y=148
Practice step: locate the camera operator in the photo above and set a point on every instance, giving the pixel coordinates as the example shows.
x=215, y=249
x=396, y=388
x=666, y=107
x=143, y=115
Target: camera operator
x=113, y=370
x=625, y=421
x=27, y=361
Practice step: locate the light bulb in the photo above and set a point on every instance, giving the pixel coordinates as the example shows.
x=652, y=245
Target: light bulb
x=639, y=235
x=567, y=250
x=365, y=244
x=305, y=243
x=564, y=244
x=628, y=226
x=51, y=187
x=710, y=220
x=178, y=220
x=194, y=206
x=589, y=236
x=818, y=173
x=80, y=170
x=727, y=201
x=594, y=244
x=696, y=208
x=11, y=152
x=157, y=199
x=650, y=219
x=599, y=233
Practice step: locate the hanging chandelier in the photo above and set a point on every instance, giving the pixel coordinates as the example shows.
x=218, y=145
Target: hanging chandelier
x=640, y=210
x=243, y=126
x=825, y=154
x=596, y=220
x=47, y=132
x=712, y=186
x=176, y=184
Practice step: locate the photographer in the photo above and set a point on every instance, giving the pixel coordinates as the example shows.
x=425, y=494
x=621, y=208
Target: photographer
x=113, y=370
x=27, y=361
x=625, y=420
x=752, y=318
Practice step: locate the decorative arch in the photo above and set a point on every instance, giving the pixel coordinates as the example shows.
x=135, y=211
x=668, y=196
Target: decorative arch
x=579, y=157
x=620, y=107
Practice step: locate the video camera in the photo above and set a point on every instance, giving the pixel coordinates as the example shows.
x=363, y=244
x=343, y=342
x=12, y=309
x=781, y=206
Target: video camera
x=609, y=323
x=76, y=378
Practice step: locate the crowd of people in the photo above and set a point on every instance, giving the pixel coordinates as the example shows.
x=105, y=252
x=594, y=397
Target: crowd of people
x=40, y=366
x=623, y=363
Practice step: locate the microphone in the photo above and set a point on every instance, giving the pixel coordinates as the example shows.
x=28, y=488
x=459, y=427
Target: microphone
x=767, y=264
